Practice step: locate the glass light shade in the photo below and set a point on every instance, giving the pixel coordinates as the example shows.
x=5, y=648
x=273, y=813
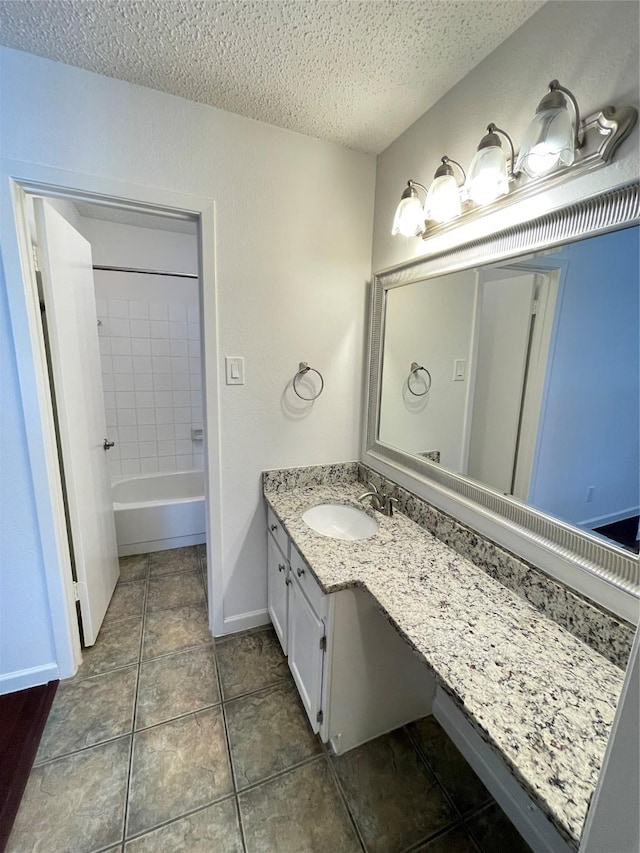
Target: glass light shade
x=548, y=143
x=409, y=218
x=488, y=178
x=443, y=199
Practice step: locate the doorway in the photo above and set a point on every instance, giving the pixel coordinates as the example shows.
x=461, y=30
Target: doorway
x=31, y=352
x=515, y=310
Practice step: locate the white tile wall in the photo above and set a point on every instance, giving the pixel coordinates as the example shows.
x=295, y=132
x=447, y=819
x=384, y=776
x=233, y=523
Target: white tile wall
x=150, y=354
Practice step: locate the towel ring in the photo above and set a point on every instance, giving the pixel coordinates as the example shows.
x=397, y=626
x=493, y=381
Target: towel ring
x=415, y=367
x=304, y=368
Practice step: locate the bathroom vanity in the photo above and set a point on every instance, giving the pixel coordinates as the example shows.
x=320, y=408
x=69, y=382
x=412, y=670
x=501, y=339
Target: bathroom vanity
x=390, y=628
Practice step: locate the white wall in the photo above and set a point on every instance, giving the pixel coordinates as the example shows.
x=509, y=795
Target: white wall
x=589, y=431
x=431, y=323
x=292, y=244
x=591, y=47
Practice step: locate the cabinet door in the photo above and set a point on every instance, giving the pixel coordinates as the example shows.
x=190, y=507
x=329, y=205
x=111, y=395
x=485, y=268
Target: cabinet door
x=277, y=590
x=306, y=651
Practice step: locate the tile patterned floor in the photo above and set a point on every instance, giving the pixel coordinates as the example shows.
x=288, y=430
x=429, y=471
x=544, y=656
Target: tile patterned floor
x=166, y=741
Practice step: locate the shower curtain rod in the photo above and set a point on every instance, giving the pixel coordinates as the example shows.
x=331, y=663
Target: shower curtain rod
x=144, y=272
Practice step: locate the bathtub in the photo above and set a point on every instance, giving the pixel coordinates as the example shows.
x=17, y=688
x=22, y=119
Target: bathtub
x=159, y=511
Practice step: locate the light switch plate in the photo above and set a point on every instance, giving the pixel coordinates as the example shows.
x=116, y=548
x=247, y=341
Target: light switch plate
x=234, y=368
x=459, y=369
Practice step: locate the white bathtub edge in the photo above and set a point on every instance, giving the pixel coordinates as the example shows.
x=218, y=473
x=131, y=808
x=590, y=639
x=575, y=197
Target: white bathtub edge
x=161, y=545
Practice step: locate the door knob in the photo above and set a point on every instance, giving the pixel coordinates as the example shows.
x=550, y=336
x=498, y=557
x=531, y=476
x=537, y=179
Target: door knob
x=108, y=444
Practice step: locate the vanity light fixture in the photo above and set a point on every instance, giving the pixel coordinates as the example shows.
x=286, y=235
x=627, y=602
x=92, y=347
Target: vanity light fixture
x=443, y=198
x=489, y=176
x=554, y=136
x=558, y=145
x=410, y=216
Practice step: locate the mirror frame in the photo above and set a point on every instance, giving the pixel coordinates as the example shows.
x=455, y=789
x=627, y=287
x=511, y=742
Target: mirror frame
x=609, y=211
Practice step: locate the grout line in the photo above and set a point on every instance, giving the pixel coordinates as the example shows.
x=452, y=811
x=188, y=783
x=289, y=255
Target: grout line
x=177, y=717
x=177, y=651
x=125, y=816
x=231, y=764
x=169, y=821
x=432, y=773
x=343, y=797
x=278, y=774
x=278, y=683
x=240, y=824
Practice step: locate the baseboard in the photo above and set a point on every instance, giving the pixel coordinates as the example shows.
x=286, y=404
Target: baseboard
x=245, y=621
x=23, y=678
x=610, y=518
x=161, y=544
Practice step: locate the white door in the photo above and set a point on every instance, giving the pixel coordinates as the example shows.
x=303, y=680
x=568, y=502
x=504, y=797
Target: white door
x=505, y=323
x=306, y=651
x=69, y=297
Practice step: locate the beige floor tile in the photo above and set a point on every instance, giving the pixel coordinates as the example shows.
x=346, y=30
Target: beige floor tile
x=74, y=804
x=299, y=811
x=393, y=799
x=167, y=631
x=211, y=830
x=176, y=684
x=452, y=771
x=134, y=568
x=127, y=602
x=174, y=560
x=454, y=841
x=493, y=832
x=250, y=662
x=268, y=732
x=118, y=645
x=177, y=590
x=177, y=767
x=88, y=711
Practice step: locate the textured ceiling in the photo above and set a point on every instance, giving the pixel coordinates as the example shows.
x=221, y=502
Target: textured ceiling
x=356, y=73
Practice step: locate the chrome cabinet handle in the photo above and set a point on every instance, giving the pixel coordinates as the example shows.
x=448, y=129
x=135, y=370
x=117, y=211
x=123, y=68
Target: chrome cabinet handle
x=108, y=444
x=281, y=567
x=299, y=572
x=273, y=527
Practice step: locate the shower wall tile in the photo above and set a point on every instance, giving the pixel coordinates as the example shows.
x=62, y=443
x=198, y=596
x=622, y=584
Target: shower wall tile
x=151, y=371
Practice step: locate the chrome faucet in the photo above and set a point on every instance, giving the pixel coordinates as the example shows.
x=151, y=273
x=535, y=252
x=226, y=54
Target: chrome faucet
x=379, y=500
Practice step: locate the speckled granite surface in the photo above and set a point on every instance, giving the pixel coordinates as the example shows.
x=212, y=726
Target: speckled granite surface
x=600, y=629
x=541, y=698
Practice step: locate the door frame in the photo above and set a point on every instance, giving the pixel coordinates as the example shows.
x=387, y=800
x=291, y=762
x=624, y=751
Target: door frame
x=19, y=179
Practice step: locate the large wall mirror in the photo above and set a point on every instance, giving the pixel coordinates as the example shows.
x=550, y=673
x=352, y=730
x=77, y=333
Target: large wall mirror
x=509, y=371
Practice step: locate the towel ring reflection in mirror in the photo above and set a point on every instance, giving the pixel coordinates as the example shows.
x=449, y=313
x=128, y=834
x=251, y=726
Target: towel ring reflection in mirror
x=303, y=369
x=415, y=368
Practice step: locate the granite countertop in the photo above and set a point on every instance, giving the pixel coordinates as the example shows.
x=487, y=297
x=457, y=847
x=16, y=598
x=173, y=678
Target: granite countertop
x=541, y=698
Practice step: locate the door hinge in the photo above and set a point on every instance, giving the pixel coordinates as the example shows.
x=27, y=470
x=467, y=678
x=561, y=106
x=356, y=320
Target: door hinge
x=323, y=644
x=534, y=307
x=36, y=261
x=319, y=717
x=76, y=596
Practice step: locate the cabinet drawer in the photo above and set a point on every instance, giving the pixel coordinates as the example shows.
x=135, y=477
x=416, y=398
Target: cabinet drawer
x=307, y=582
x=275, y=528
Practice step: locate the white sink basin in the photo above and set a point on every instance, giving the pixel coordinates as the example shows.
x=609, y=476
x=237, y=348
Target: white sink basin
x=340, y=522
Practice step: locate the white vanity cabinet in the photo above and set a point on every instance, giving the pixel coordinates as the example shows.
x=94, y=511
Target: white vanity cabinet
x=356, y=676
x=278, y=579
x=307, y=638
